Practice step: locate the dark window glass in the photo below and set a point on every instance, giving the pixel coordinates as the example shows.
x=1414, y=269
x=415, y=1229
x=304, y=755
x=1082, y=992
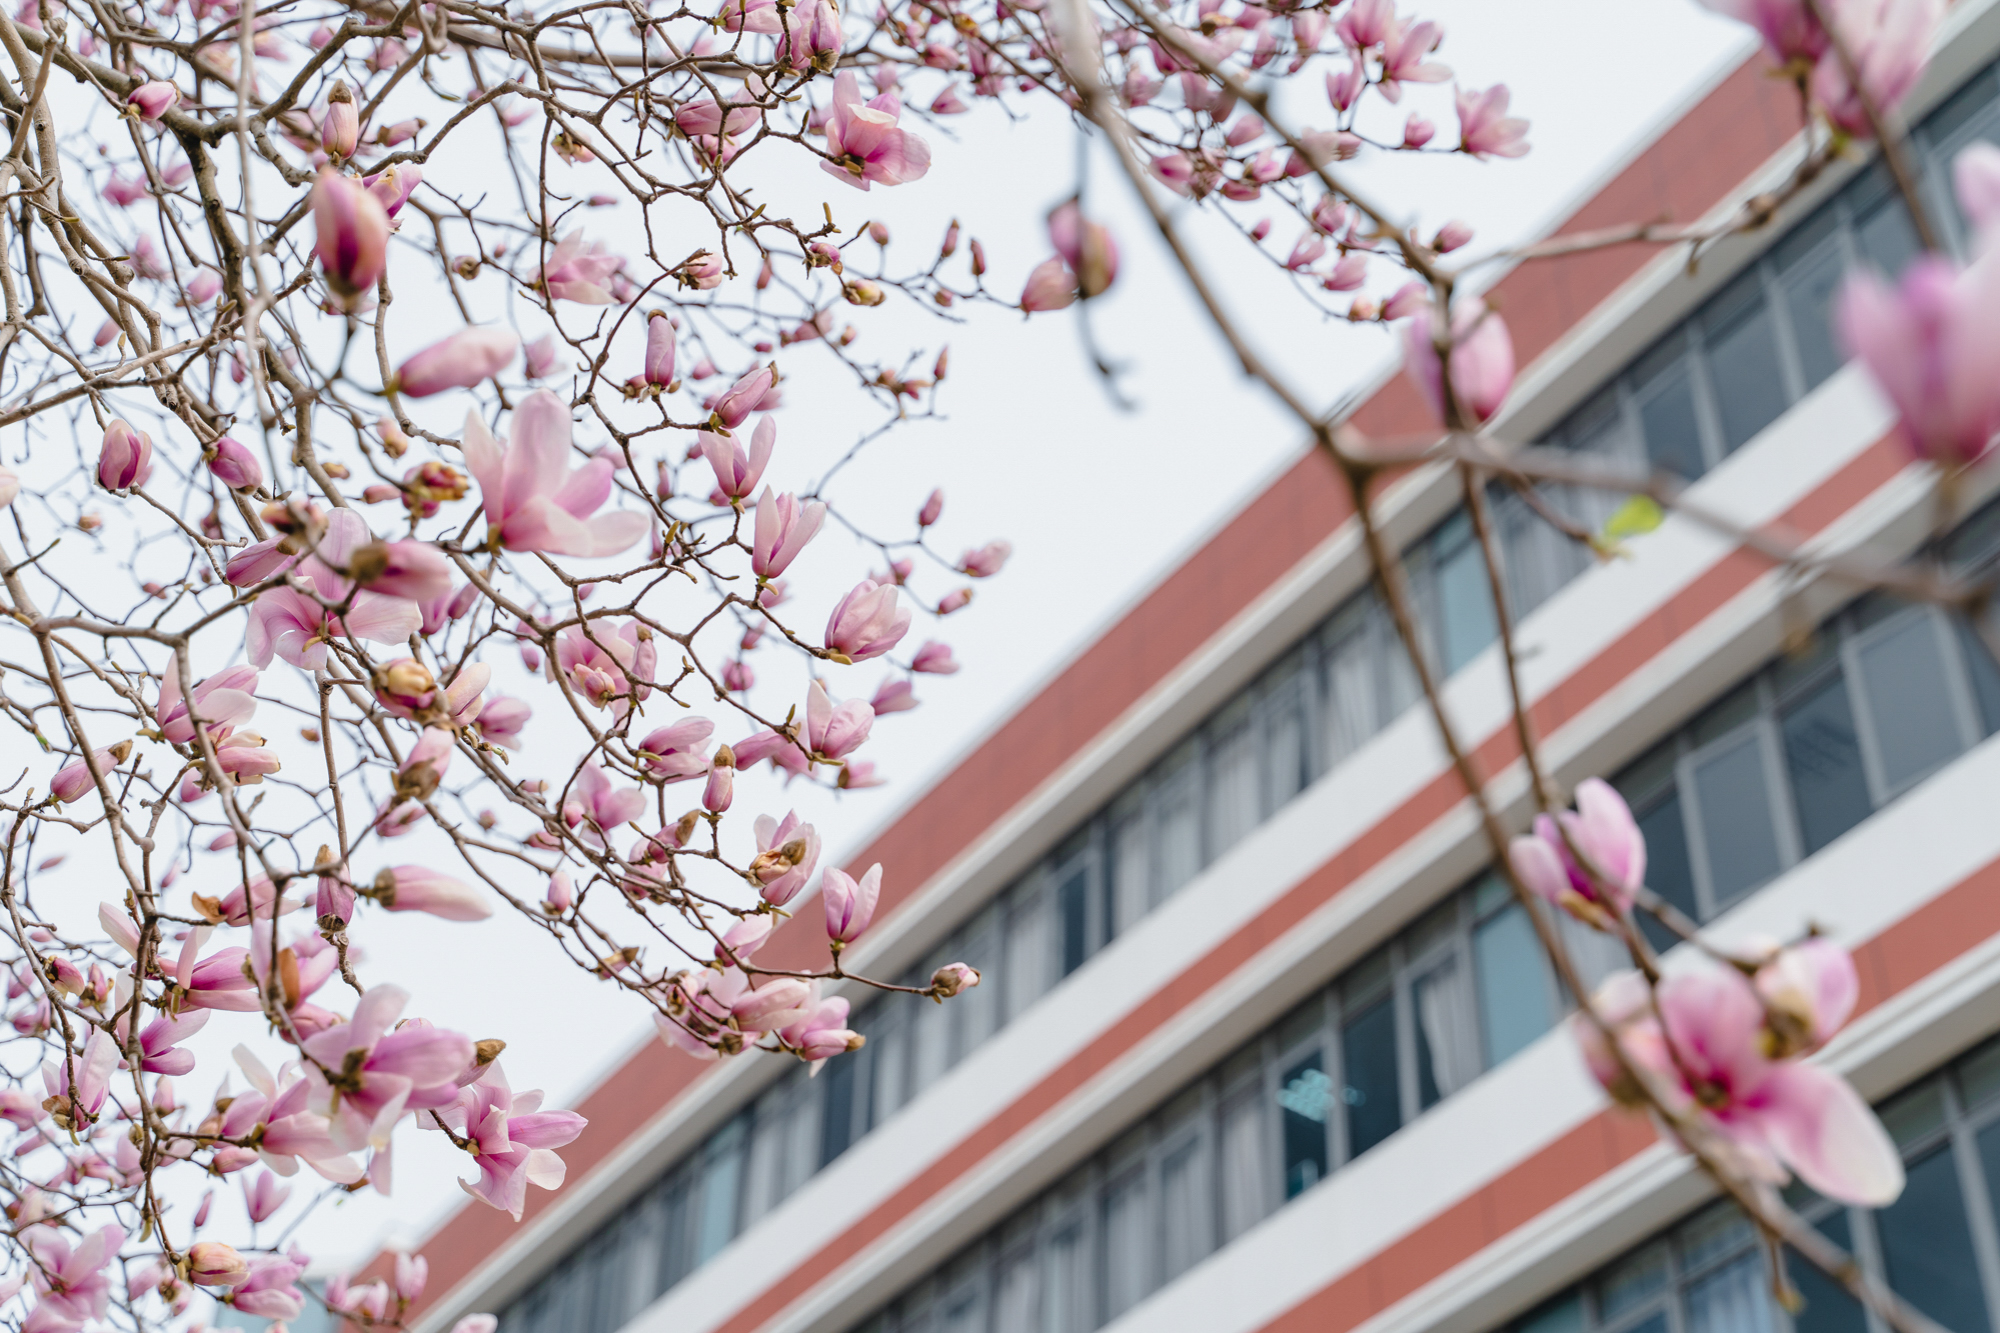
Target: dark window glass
x=1073, y=906
x=1737, y=830
x=1989, y=1157
x=1127, y=1227
x=1888, y=240
x=720, y=1180
x=1985, y=675
x=1823, y=756
x=838, y=1119
x=1668, y=870
x=1927, y=1246
x=1564, y=1316
x=1672, y=427
x=677, y=1236
x=1811, y=267
x=1828, y=1308
x=1465, y=601
x=1734, y=1299
x=1514, y=991
x=1304, y=1101
x=1909, y=702
x=1368, y=1050
x=1743, y=363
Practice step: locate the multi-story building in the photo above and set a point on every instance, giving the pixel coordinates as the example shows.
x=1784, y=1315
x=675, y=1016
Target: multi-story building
x=1261, y=1044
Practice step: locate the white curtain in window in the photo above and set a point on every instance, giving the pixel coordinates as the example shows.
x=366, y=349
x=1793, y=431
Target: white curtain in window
x=1017, y=1295
x=765, y=1173
x=1596, y=954
x=1351, y=687
x=1232, y=788
x=1176, y=831
x=1284, y=745
x=1031, y=951
x=1127, y=1276
x=1243, y=1166
x=1067, y=1272
x=1445, y=1009
x=1130, y=898
x=1734, y=1300
x=801, y=1139
x=890, y=1048
x=1185, y=1206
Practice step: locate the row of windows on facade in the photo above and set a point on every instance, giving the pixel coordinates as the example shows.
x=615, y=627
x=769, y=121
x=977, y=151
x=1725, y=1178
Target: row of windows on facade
x=1937, y=1246
x=1468, y=985
x=1347, y=681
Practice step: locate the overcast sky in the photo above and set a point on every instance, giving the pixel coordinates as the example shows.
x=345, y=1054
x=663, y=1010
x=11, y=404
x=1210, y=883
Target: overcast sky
x=1098, y=502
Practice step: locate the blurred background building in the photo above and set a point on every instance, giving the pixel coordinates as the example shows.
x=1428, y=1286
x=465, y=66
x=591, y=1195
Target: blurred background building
x=1261, y=1044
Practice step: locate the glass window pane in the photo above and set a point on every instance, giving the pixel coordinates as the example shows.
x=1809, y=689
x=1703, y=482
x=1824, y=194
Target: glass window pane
x=1633, y=1283
x=930, y=1038
x=890, y=1046
x=1671, y=424
x=1350, y=680
x=1743, y=365
x=1733, y=1299
x=1177, y=823
x=1399, y=676
x=1127, y=1273
x=1233, y=798
x=840, y=1120
x=1985, y=675
x=1828, y=1308
x=765, y=1162
x=1466, y=622
x=1287, y=761
x=1823, y=756
x=1186, y=1204
x=1368, y=1057
x=1927, y=1246
x=1888, y=238
x=1242, y=1160
x=978, y=1015
x=1903, y=676
x=961, y=1312
x=1067, y=1273
x=1032, y=951
x=1809, y=294
x=1129, y=892
x=1447, y=1038
x=1669, y=873
x=1073, y=913
x=721, y=1179
x=1515, y=992
x=1563, y=1316
x=677, y=1239
x=1979, y=1076
x=1738, y=832
x=1017, y=1294
x=1304, y=1101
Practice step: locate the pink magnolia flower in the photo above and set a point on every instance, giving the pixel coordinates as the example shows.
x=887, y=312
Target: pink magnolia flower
x=677, y=752
x=1451, y=236
x=1712, y=1052
x=159, y=1042
x=74, y=1283
x=813, y=37
x=1890, y=41
x=609, y=666
x=577, y=272
x=412, y=569
x=150, y=101
x=823, y=1034
x=1404, y=60
x=777, y=1003
x=932, y=511
x=288, y=1133
x=593, y=798
x=380, y=1073
x=720, y=789
x=1975, y=178
x=534, y=500
x=660, y=345
x=850, y=903
x=787, y=854
x=214, y=1264
x=73, y=779
x=895, y=695
x=784, y=526
x=864, y=142
x=1087, y=247
x=1366, y=23
x=705, y=117
x=1809, y=990
x=126, y=458
x=353, y=230
x=1788, y=27
x=340, y=125
x=268, y=1292
x=1343, y=86
x=737, y=472
x=1482, y=360
x=750, y=16
x=987, y=560
x=514, y=1140
x=265, y=1197
x=835, y=732
x=1484, y=127
x=1602, y=828
x=540, y=357
x=1051, y=286
x=75, y=1105
x=287, y=623
x=952, y=978
x=868, y=622
x=757, y=389
x=413, y=1273
x=420, y=889
x=232, y=464
x=1928, y=343
x=462, y=361
x=502, y=719
x=934, y=658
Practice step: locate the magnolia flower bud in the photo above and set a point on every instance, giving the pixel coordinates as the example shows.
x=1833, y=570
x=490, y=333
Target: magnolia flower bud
x=213, y=1264
x=340, y=128
x=232, y=464
x=721, y=781
x=126, y=458
x=150, y=101
x=952, y=978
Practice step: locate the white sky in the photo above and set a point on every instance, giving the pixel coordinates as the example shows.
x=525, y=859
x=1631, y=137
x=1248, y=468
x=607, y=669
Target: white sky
x=1098, y=502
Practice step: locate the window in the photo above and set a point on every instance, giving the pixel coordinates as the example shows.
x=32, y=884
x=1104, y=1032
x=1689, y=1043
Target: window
x=1177, y=821
x=1516, y=992
x=1234, y=802
x=1368, y=1059
x=1743, y=362
x=1669, y=416
x=1466, y=623
x=1733, y=802
x=1128, y=1224
x=1305, y=1097
x=1823, y=760
x=1903, y=675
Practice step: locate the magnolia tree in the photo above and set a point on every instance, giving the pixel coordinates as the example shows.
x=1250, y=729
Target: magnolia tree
x=286, y=522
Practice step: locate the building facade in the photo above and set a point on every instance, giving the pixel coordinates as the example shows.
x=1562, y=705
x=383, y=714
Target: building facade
x=1262, y=1044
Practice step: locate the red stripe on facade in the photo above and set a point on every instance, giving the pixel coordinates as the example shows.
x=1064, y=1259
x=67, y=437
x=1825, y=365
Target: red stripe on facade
x=1694, y=163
